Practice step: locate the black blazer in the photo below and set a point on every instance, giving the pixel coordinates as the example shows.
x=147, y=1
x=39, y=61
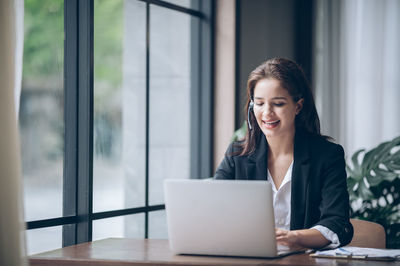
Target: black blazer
x=319, y=190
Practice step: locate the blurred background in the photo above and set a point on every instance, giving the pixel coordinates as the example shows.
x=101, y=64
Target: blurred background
x=159, y=100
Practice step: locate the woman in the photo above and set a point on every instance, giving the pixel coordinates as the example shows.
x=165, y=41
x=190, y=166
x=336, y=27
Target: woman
x=284, y=145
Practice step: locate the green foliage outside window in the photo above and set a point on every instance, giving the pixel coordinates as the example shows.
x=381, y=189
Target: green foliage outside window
x=108, y=49
x=43, y=55
x=43, y=65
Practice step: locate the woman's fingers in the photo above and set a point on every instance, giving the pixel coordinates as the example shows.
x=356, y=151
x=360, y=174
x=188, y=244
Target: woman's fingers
x=280, y=232
x=281, y=236
x=286, y=238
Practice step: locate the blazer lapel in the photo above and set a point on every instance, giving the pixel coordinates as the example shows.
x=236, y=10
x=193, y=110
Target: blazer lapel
x=257, y=161
x=299, y=184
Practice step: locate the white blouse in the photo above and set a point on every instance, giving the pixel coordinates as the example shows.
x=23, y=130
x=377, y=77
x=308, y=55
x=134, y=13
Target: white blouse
x=281, y=201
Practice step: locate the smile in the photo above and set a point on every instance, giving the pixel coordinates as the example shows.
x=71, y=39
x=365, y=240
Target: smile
x=271, y=124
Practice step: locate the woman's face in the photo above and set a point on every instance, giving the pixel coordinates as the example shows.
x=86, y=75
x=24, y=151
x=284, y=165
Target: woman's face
x=274, y=108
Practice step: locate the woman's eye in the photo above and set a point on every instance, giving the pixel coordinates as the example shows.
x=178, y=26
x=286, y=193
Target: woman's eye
x=279, y=104
x=259, y=104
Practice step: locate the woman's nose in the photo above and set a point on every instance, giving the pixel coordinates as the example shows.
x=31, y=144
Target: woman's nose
x=267, y=109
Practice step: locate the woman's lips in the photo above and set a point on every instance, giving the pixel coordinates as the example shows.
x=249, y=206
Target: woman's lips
x=271, y=123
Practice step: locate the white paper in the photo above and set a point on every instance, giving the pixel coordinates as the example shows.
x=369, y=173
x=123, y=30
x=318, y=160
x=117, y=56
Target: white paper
x=357, y=251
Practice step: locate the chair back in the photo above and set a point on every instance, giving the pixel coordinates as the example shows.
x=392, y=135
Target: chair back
x=368, y=234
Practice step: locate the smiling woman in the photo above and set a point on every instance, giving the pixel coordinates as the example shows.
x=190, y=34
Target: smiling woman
x=283, y=146
x=274, y=109
x=288, y=76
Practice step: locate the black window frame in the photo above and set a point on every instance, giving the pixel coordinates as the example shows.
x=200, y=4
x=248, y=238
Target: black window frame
x=78, y=216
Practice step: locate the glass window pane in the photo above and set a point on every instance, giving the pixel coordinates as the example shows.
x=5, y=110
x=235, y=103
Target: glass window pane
x=119, y=89
x=158, y=225
x=192, y=4
x=43, y=239
x=169, y=98
x=41, y=109
x=131, y=226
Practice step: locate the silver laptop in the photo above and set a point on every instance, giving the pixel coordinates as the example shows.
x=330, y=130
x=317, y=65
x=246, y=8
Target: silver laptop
x=221, y=217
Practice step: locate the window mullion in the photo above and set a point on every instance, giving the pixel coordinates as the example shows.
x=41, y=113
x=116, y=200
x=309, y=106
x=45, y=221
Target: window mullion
x=70, y=118
x=85, y=120
x=207, y=84
x=146, y=222
x=78, y=115
x=202, y=69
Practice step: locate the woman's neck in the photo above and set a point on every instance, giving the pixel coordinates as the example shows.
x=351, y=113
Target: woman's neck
x=281, y=145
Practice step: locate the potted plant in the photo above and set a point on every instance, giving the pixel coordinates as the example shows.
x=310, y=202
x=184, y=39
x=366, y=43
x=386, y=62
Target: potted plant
x=374, y=187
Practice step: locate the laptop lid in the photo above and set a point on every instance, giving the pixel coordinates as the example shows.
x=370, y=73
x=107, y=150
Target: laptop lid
x=220, y=217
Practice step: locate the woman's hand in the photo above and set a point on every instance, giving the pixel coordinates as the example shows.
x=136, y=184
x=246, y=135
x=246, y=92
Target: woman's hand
x=306, y=238
x=287, y=238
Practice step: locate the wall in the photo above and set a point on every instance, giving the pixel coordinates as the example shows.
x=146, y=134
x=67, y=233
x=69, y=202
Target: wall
x=267, y=29
x=224, y=101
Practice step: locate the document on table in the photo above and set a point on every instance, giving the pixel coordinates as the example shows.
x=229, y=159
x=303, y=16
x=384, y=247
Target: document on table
x=359, y=253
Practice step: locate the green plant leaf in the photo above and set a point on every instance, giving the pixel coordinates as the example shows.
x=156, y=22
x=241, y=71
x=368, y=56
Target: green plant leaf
x=392, y=166
x=396, y=156
x=380, y=167
x=384, y=175
x=364, y=191
x=368, y=157
x=240, y=133
x=349, y=171
x=373, y=180
x=356, y=165
x=379, y=154
x=351, y=182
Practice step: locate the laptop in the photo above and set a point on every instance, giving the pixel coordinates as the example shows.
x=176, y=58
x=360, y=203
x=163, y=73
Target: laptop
x=221, y=217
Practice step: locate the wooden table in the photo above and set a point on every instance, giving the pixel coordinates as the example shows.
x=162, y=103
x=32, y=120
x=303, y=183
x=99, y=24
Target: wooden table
x=125, y=251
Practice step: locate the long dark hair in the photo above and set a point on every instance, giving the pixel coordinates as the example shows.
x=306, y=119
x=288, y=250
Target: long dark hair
x=292, y=78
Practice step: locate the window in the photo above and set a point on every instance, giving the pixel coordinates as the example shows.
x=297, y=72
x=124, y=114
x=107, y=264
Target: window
x=41, y=118
x=134, y=109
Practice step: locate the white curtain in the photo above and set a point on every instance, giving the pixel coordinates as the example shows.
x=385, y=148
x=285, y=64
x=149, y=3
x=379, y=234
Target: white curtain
x=357, y=66
x=12, y=246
